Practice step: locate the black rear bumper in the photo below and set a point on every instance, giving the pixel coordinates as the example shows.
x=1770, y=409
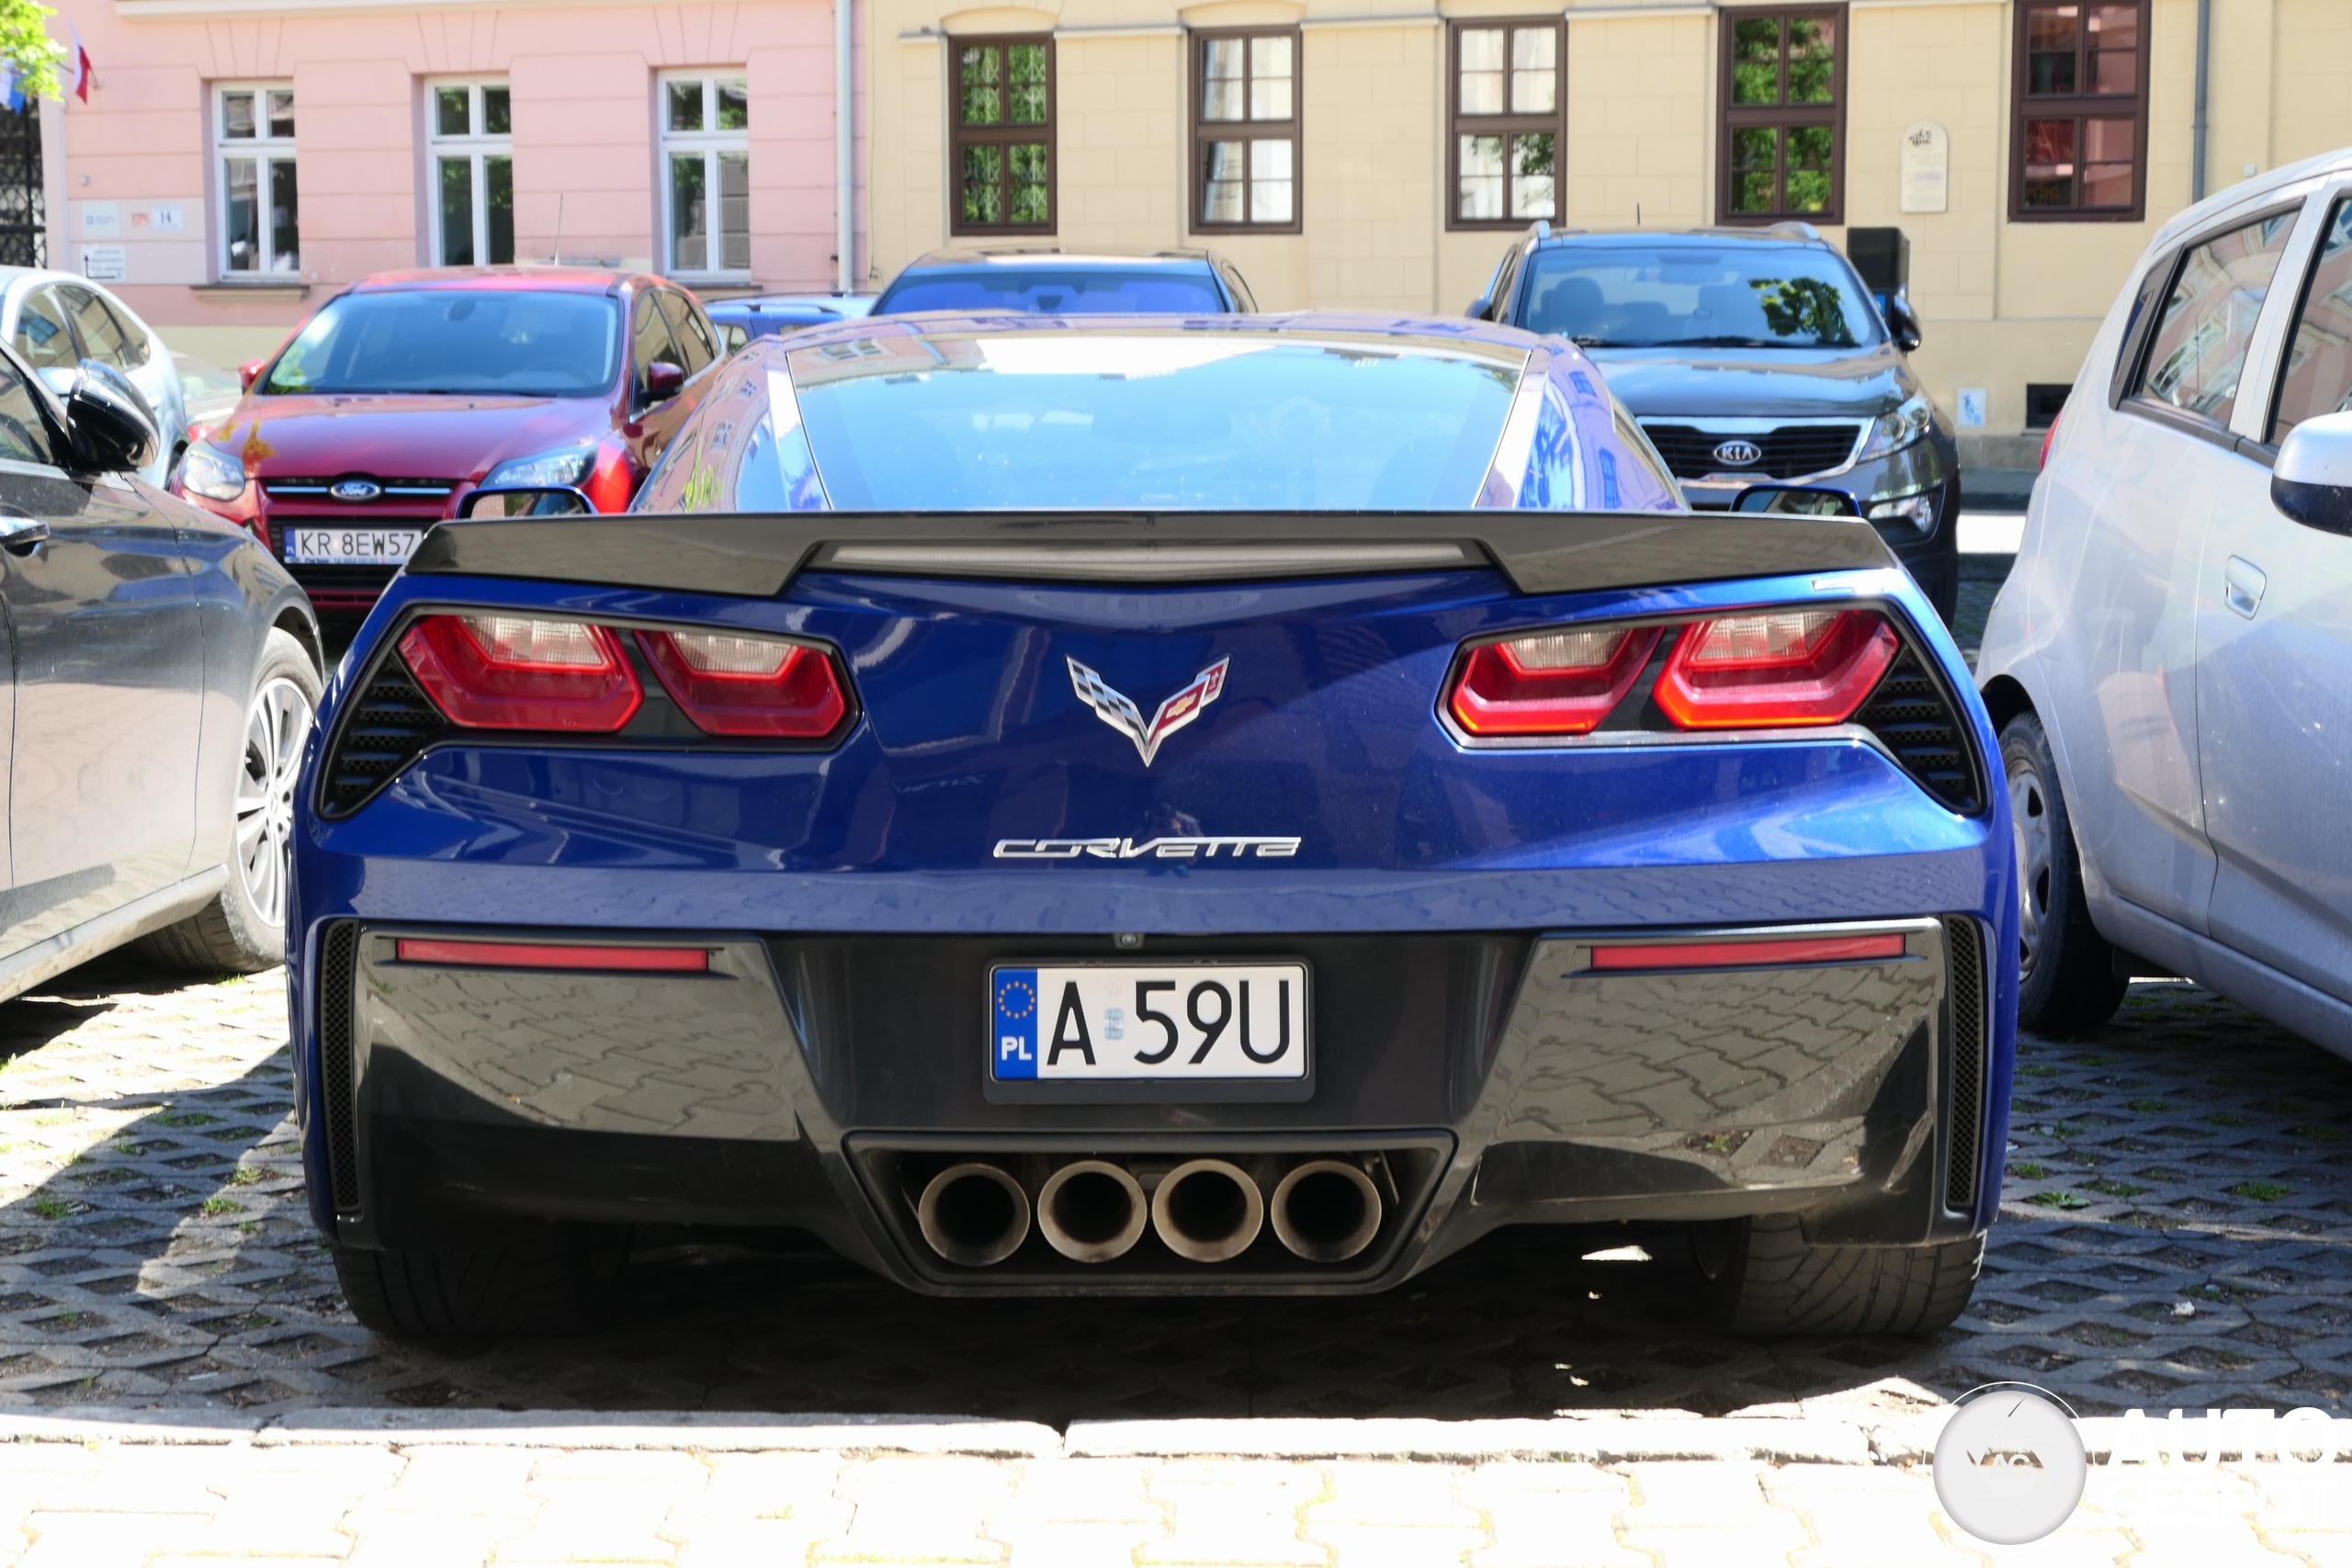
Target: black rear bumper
x=817, y=1082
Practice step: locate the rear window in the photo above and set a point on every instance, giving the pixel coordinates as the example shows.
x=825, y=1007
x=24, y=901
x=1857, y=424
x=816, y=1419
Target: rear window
x=1698, y=295
x=1047, y=291
x=518, y=343
x=1196, y=421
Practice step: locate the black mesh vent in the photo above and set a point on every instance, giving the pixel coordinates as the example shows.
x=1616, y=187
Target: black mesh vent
x=337, y=950
x=1789, y=452
x=1915, y=719
x=1963, y=1062
x=383, y=732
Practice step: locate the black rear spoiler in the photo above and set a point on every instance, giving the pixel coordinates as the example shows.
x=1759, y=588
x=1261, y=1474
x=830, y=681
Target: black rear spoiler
x=754, y=554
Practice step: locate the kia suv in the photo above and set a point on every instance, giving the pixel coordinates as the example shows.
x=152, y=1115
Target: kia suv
x=1752, y=357
x=409, y=389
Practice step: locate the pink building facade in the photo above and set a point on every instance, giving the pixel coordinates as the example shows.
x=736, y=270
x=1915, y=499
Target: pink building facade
x=240, y=160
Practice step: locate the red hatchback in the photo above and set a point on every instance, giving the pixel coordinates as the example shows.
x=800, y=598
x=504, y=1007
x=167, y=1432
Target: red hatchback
x=409, y=389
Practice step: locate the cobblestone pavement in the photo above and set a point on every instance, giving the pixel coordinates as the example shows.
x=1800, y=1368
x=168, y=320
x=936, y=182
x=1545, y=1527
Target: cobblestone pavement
x=2175, y=1234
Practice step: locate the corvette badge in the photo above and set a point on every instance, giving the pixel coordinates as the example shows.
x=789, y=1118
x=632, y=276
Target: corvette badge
x=1119, y=711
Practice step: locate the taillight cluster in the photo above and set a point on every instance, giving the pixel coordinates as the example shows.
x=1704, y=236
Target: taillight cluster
x=511, y=671
x=1759, y=669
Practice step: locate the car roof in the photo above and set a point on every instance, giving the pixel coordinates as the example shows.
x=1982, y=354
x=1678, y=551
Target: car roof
x=1053, y=256
x=1779, y=235
x=543, y=279
x=1370, y=325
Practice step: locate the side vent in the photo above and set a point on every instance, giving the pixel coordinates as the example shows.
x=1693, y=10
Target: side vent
x=1964, y=1048
x=1913, y=717
x=338, y=953
x=383, y=732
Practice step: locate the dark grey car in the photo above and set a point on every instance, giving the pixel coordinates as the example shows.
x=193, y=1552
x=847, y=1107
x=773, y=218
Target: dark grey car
x=157, y=681
x=1752, y=357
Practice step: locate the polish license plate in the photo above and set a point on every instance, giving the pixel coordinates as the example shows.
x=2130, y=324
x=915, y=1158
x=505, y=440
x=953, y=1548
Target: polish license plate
x=351, y=546
x=1167, y=1023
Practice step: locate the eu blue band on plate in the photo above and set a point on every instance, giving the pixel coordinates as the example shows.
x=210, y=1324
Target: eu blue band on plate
x=1013, y=1005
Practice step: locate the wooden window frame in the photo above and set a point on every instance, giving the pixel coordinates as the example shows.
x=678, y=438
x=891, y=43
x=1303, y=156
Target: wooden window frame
x=1459, y=125
x=960, y=136
x=1206, y=131
x=1732, y=117
x=2078, y=107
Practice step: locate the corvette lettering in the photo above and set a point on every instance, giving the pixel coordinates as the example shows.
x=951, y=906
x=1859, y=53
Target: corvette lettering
x=1118, y=710
x=1185, y=848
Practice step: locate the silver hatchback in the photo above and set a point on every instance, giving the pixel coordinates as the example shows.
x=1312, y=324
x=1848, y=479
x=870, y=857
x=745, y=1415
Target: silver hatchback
x=2170, y=664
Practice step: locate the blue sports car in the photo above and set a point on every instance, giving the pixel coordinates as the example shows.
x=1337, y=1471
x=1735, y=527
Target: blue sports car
x=1148, y=804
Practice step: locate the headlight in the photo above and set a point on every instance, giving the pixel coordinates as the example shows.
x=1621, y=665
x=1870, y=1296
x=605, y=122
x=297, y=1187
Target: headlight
x=1918, y=511
x=1892, y=432
x=568, y=468
x=207, y=471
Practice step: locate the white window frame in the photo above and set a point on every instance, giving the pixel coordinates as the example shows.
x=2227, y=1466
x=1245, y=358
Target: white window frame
x=710, y=143
x=477, y=146
x=262, y=149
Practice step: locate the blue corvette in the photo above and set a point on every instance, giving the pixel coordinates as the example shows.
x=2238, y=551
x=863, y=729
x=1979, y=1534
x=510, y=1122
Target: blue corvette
x=1153, y=804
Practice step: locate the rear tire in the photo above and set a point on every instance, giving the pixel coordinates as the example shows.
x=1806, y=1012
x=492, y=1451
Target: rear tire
x=2066, y=979
x=482, y=1292
x=1764, y=1279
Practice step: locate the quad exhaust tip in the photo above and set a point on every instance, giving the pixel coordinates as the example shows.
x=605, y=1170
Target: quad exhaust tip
x=1327, y=1211
x=1208, y=1210
x=1092, y=1210
x=973, y=1213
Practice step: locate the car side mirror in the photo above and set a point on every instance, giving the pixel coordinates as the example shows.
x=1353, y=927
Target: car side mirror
x=249, y=372
x=2311, y=479
x=662, y=380
x=1480, y=306
x=1797, y=501
x=524, y=500
x=1903, y=323
x=113, y=429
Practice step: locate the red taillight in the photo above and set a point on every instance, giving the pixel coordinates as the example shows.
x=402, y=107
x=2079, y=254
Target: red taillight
x=1561, y=682
x=1774, y=668
x=519, y=672
x=1731, y=954
x=730, y=684
x=552, y=955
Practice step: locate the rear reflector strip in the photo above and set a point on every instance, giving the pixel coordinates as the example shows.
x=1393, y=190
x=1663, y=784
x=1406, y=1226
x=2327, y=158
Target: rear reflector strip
x=546, y=955
x=1734, y=954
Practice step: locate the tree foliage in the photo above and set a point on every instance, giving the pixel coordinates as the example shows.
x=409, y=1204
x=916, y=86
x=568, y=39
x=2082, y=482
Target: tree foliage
x=26, y=48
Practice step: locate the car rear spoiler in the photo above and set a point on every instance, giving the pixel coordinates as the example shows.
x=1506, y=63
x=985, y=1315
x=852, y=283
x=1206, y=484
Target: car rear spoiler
x=754, y=554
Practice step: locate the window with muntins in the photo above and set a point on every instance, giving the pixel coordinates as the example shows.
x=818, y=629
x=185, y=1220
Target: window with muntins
x=1245, y=130
x=1782, y=149
x=260, y=212
x=2080, y=147
x=1001, y=152
x=469, y=138
x=707, y=175
x=1507, y=132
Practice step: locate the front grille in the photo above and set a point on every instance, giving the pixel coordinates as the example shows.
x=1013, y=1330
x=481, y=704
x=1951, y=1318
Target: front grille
x=1790, y=451
x=384, y=731
x=1963, y=1062
x=337, y=950
x=398, y=489
x=1916, y=720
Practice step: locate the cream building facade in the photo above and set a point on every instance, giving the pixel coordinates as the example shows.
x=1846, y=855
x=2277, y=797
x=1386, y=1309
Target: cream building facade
x=2047, y=140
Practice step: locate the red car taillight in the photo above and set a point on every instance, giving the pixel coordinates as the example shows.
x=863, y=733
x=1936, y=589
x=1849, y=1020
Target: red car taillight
x=1741, y=952
x=519, y=672
x=730, y=684
x=1561, y=682
x=553, y=956
x=1775, y=667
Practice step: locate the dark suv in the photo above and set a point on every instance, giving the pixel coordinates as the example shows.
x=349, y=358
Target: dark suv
x=1754, y=355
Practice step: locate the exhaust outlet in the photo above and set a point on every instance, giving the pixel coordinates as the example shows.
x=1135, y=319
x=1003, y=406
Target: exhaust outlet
x=974, y=1215
x=1327, y=1211
x=1207, y=1211
x=1092, y=1210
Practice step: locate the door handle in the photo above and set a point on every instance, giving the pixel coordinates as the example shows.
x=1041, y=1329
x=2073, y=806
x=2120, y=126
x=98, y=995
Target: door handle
x=19, y=534
x=2243, y=582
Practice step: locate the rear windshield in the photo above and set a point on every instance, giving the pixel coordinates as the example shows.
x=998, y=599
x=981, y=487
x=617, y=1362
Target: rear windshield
x=518, y=343
x=1047, y=291
x=1198, y=421
x=1698, y=295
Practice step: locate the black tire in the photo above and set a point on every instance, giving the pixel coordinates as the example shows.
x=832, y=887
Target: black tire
x=2066, y=979
x=1764, y=1279
x=483, y=1292
x=243, y=931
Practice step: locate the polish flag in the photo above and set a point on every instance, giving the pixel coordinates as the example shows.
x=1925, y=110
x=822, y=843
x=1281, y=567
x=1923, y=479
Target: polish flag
x=79, y=67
